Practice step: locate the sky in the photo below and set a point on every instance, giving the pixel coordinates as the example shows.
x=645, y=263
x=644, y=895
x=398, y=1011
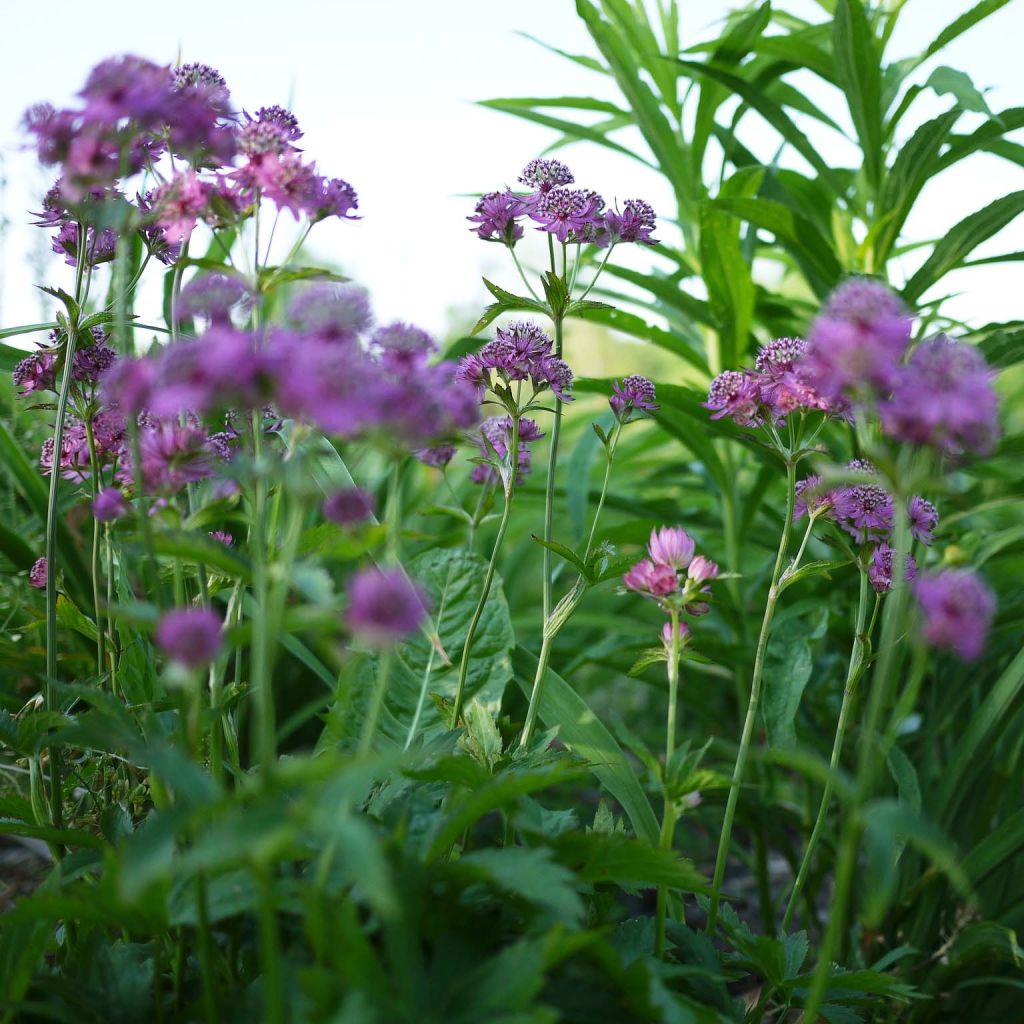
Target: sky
x=385, y=91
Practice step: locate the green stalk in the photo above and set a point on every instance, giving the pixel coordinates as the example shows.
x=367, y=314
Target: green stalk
x=549, y=490
x=50, y=546
x=858, y=654
x=610, y=455
x=869, y=754
x=270, y=949
x=206, y=965
x=94, y=487
x=755, y=699
x=668, y=821
x=373, y=712
x=513, y=470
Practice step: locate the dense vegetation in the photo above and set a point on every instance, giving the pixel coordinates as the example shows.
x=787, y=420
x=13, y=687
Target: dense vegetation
x=352, y=677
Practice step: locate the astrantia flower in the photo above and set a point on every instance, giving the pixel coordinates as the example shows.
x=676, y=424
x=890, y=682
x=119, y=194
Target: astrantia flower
x=495, y=438
x=958, y=608
x=682, y=631
x=384, y=606
x=545, y=174
x=195, y=74
x=495, y=217
x=554, y=373
x=331, y=312
x=37, y=574
x=568, y=213
x=173, y=455
x=100, y=246
x=332, y=197
x=126, y=87
x=349, y=506
x=648, y=578
x=702, y=569
x=91, y=362
x=222, y=538
x=811, y=497
x=735, y=394
x=402, y=346
x=944, y=398
x=672, y=546
x=632, y=394
x=865, y=511
x=781, y=382
x=36, y=372
x=179, y=204
x=211, y=296
x=439, y=456
x=74, y=453
x=880, y=570
x=109, y=504
x=128, y=384
x=189, y=636
x=858, y=341
x=923, y=518
x=634, y=224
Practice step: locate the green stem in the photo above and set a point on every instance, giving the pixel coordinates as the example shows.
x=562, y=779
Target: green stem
x=425, y=682
x=206, y=965
x=376, y=706
x=869, y=754
x=513, y=469
x=856, y=666
x=270, y=949
x=610, y=453
x=522, y=274
x=754, y=702
x=94, y=487
x=668, y=820
x=549, y=491
x=597, y=274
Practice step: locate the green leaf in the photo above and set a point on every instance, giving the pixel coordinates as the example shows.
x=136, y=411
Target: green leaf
x=637, y=327
x=203, y=550
x=70, y=616
x=729, y=283
x=787, y=669
x=567, y=553
x=999, y=847
x=598, y=856
x=949, y=81
x=961, y=24
x=531, y=874
x=582, y=731
x=962, y=239
x=858, y=67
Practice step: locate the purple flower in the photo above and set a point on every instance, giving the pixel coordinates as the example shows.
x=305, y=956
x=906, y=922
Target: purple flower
x=923, y=518
x=865, y=511
x=568, y=213
x=37, y=574
x=74, y=454
x=332, y=197
x=634, y=224
x=91, y=362
x=672, y=546
x=858, y=341
x=402, y=346
x=179, y=204
x=648, y=578
x=173, y=455
x=552, y=372
x=222, y=538
x=126, y=87
x=810, y=497
x=545, y=174
x=439, y=456
x=495, y=438
x=735, y=394
x=128, y=384
x=944, y=398
x=682, y=631
x=880, y=570
x=495, y=217
x=36, y=372
x=194, y=74
x=109, y=504
x=100, y=247
x=211, y=296
x=330, y=312
x=384, y=606
x=189, y=636
x=781, y=380
x=632, y=394
x=349, y=506
x=958, y=609
x=702, y=569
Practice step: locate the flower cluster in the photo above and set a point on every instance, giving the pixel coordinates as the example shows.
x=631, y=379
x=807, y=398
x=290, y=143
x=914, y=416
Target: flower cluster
x=673, y=574
x=632, y=397
x=384, y=606
x=494, y=441
x=519, y=352
x=939, y=393
x=569, y=214
x=957, y=609
x=774, y=389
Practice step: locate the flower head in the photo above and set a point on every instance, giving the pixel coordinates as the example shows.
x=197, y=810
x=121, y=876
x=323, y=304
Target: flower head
x=189, y=636
x=330, y=312
x=650, y=578
x=702, y=569
x=568, y=213
x=923, y=518
x=632, y=394
x=811, y=497
x=37, y=574
x=384, y=606
x=349, y=506
x=545, y=174
x=635, y=223
x=865, y=511
x=213, y=297
x=494, y=217
x=735, y=394
x=439, y=456
x=957, y=608
x=682, y=632
x=672, y=546
x=109, y=504
x=881, y=569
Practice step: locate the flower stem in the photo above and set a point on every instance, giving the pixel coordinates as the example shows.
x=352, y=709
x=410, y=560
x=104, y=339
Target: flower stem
x=94, y=487
x=610, y=453
x=754, y=702
x=513, y=469
x=372, y=719
x=549, y=492
x=668, y=820
x=522, y=274
x=869, y=754
x=858, y=654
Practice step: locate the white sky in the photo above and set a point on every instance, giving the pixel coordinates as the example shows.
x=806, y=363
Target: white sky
x=384, y=90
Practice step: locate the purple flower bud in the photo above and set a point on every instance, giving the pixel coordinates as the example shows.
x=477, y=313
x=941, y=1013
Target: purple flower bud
x=384, y=606
x=545, y=174
x=702, y=569
x=634, y=224
x=734, y=393
x=682, y=631
x=37, y=574
x=880, y=570
x=633, y=393
x=671, y=546
x=222, y=538
x=439, y=456
x=923, y=519
x=958, y=609
x=189, y=636
x=349, y=506
x=108, y=505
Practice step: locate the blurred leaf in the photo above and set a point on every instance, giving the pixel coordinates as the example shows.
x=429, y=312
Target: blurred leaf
x=949, y=81
x=787, y=668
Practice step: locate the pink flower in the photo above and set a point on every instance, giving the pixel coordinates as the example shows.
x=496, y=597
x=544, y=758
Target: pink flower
x=683, y=632
x=702, y=569
x=648, y=578
x=671, y=546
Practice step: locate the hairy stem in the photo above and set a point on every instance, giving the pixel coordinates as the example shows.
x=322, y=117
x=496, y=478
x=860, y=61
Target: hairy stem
x=549, y=491
x=668, y=820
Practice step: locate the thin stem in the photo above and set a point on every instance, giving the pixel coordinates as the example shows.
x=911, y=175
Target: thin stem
x=853, y=673
x=522, y=274
x=549, y=491
x=610, y=454
x=425, y=682
x=755, y=700
x=597, y=274
x=376, y=706
x=668, y=820
x=94, y=487
x=270, y=949
x=206, y=965
x=513, y=469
